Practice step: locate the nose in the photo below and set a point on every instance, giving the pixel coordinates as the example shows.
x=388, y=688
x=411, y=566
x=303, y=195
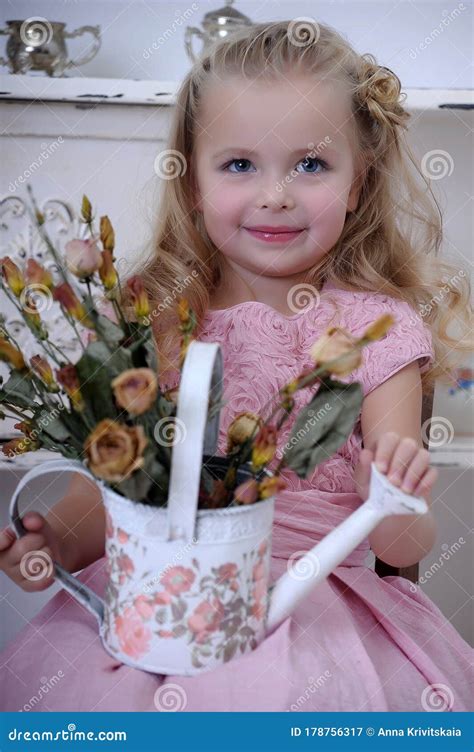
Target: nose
x=275, y=196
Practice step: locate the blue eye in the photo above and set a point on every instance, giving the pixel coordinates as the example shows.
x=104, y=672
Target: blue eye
x=237, y=161
x=309, y=161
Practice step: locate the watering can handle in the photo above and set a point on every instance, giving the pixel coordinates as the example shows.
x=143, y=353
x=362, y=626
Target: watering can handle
x=77, y=589
x=201, y=377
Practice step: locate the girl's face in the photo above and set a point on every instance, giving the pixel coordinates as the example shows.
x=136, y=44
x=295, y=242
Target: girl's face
x=275, y=155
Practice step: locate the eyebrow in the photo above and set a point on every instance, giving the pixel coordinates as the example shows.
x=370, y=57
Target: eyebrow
x=243, y=150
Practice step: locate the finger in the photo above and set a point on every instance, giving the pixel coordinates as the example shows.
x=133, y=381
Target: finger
x=27, y=545
x=7, y=537
x=415, y=470
x=362, y=472
x=386, y=446
x=37, y=569
x=426, y=483
x=33, y=521
x=401, y=459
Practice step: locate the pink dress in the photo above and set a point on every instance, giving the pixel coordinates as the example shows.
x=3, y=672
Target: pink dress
x=358, y=643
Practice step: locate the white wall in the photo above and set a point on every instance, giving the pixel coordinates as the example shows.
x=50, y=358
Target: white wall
x=428, y=44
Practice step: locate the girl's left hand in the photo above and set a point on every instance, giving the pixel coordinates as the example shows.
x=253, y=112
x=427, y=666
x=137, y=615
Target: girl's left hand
x=402, y=460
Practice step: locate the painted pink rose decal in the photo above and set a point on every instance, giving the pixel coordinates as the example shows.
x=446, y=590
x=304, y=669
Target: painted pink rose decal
x=177, y=580
x=133, y=635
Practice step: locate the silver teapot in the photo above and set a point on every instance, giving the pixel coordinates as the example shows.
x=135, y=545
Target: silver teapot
x=217, y=24
x=39, y=44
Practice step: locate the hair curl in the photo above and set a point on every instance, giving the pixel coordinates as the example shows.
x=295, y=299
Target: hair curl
x=390, y=243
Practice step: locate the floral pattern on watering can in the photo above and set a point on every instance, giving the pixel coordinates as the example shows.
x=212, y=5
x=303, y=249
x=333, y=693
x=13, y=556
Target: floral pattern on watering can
x=221, y=609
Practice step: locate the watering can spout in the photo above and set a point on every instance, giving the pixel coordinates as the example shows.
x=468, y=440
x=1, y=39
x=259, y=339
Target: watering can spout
x=303, y=575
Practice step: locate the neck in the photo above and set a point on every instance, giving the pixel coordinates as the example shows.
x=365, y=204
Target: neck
x=241, y=285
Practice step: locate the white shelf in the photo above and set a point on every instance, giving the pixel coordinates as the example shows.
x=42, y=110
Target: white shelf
x=458, y=453
x=139, y=92
x=76, y=90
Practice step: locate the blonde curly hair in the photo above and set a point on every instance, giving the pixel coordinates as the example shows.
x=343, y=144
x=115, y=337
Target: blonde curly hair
x=389, y=244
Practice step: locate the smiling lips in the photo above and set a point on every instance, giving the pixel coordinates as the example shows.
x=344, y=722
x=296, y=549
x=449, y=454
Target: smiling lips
x=274, y=234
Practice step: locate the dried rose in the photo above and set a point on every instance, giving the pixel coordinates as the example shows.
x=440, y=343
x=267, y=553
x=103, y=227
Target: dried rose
x=139, y=297
x=172, y=395
x=19, y=446
x=107, y=272
x=68, y=300
x=83, y=257
x=183, y=312
x=380, y=327
x=69, y=380
x=11, y=355
x=264, y=447
x=13, y=276
x=336, y=343
x=242, y=428
x=270, y=486
x=135, y=390
x=114, y=450
x=42, y=368
x=247, y=492
x=36, y=274
x=107, y=234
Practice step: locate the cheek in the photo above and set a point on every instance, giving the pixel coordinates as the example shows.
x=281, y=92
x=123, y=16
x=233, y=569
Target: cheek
x=327, y=209
x=223, y=206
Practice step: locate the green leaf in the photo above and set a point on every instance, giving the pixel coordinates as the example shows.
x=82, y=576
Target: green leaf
x=179, y=630
x=151, y=358
x=178, y=610
x=96, y=389
x=115, y=362
x=195, y=661
x=230, y=649
x=108, y=330
x=18, y=390
x=135, y=487
x=160, y=616
x=323, y=426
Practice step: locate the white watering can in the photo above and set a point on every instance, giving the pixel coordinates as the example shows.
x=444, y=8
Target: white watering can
x=189, y=589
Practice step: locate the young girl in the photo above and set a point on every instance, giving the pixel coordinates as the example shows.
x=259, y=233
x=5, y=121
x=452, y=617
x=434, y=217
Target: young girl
x=293, y=206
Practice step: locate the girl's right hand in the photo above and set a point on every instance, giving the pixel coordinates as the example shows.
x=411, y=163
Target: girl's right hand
x=28, y=560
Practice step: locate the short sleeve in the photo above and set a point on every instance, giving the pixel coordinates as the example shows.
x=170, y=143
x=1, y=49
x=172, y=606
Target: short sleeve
x=409, y=339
